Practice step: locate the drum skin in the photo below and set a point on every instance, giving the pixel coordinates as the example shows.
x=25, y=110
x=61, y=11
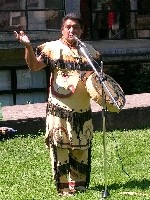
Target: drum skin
x=105, y=91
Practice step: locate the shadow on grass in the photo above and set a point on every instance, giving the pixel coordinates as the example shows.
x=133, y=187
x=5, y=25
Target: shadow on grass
x=12, y=135
x=24, y=128
x=139, y=184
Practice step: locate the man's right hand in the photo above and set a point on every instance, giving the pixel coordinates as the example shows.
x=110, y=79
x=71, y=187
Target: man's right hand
x=22, y=37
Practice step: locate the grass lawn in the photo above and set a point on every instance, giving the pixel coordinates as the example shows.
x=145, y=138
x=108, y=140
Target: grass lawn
x=25, y=171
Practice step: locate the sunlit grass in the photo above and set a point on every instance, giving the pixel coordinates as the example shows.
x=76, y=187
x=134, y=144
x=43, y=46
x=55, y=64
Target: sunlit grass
x=25, y=171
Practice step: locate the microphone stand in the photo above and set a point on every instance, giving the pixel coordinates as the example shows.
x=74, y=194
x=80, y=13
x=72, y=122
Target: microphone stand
x=89, y=58
x=105, y=192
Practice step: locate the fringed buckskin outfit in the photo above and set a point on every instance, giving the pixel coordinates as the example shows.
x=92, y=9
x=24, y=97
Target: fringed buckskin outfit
x=69, y=128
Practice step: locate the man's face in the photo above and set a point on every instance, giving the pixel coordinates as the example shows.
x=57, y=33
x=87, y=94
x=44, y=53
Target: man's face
x=71, y=28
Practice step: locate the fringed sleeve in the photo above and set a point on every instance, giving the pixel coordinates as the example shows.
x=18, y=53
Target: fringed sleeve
x=43, y=52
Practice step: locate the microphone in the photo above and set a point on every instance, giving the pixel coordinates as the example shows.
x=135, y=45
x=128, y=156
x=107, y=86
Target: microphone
x=82, y=48
x=79, y=42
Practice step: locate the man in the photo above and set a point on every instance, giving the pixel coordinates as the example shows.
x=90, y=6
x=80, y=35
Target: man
x=69, y=128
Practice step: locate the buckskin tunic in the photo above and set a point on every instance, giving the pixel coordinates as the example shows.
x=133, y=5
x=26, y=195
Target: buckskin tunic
x=69, y=128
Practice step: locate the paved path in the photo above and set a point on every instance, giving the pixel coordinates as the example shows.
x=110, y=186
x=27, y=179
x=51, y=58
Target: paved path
x=38, y=110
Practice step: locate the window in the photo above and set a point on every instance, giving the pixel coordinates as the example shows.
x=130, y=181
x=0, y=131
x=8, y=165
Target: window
x=54, y=4
x=105, y=18
x=33, y=3
x=117, y=19
x=20, y=86
x=15, y=18
x=31, y=14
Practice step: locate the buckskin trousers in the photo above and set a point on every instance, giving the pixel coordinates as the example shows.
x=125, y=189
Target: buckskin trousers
x=70, y=168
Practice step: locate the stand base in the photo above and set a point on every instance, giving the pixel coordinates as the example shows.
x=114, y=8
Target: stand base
x=105, y=194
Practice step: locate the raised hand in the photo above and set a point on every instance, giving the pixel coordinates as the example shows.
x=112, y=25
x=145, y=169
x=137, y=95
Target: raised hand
x=22, y=37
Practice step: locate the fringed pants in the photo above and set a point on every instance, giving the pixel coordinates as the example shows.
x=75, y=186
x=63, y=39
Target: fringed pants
x=71, y=168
